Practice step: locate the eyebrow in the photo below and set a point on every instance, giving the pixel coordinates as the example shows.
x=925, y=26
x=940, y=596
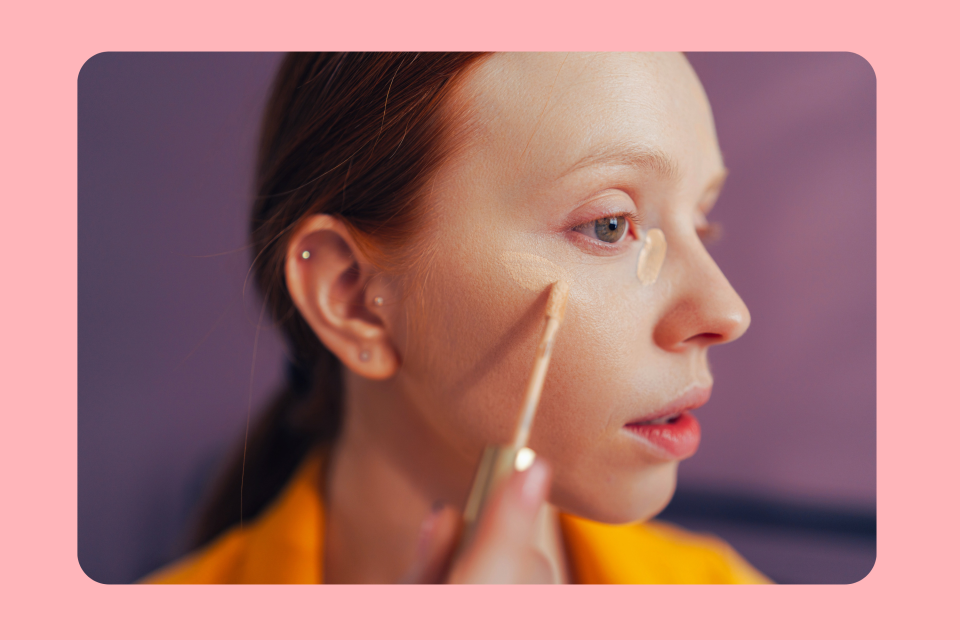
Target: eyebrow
x=628, y=155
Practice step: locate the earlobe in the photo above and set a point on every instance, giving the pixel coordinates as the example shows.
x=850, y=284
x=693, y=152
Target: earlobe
x=334, y=287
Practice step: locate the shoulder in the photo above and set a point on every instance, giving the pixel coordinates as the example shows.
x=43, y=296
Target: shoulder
x=651, y=553
x=282, y=546
x=217, y=563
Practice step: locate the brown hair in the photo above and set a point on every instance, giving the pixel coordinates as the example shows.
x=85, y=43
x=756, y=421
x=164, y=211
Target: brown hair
x=356, y=135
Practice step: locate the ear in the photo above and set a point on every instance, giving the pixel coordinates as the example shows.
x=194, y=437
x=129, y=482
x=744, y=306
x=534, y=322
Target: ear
x=337, y=292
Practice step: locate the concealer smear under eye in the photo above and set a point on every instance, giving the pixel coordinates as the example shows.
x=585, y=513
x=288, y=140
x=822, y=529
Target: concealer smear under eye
x=534, y=273
x=652, y=255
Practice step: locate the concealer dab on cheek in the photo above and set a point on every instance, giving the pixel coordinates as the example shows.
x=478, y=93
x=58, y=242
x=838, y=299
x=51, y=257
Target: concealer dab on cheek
x=531, y=271
x=652, y=255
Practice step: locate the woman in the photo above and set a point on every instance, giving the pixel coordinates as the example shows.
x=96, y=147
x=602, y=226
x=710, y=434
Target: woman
x=390, y=189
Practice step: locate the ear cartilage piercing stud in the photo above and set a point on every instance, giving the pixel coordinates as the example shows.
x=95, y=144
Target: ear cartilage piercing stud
x=378, y=301
x=364, y=356
x=305, y=255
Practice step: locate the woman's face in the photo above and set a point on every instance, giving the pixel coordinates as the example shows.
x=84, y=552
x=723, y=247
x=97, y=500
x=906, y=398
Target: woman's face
x=562, y=142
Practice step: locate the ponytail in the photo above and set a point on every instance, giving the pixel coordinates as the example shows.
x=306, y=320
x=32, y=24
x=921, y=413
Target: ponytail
x=356, y=135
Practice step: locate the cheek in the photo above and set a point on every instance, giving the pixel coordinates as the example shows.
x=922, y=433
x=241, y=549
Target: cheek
x=603, y=373
x=593, y=373
x=468, y=349
x=470, y=339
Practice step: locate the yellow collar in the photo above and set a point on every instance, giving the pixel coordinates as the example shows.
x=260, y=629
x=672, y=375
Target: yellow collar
x=284, y=545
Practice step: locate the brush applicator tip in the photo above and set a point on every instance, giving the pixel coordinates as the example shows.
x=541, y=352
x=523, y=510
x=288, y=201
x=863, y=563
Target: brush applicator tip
x=557, y=302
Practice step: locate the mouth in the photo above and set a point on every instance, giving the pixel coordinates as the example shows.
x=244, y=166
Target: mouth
x=671, y=419
x=672, y=433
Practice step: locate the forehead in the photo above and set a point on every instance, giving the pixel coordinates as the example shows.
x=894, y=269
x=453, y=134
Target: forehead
x=541, y=115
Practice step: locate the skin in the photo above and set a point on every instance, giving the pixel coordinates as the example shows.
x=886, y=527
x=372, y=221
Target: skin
x=559, y=141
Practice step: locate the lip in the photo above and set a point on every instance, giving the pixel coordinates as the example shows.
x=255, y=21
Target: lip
x=673, y=440
x=692, y=399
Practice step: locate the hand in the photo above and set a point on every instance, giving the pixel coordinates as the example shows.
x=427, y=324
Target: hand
x=502, y=551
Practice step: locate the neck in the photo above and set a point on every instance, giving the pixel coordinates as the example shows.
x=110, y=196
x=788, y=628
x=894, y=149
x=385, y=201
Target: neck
x=385, y=473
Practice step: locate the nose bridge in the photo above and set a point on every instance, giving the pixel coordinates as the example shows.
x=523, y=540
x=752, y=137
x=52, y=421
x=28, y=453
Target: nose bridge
x=703, y=307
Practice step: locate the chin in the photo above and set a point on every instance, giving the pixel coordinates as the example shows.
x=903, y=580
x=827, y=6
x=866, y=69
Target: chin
x=635, y=497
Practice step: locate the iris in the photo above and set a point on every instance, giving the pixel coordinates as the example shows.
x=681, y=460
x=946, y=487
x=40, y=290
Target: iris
x=610, y=229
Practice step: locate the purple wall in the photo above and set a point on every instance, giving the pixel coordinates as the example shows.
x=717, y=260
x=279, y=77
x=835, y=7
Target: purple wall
x=794, y=406
x=166, y=146
x=166, y=332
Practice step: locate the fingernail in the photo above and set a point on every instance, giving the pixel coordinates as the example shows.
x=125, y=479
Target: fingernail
x=524, y=459
x=426, y=529
x=534, y=484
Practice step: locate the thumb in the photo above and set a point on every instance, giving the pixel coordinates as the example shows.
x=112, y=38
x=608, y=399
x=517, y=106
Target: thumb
x=439, y=533
x=500, y=551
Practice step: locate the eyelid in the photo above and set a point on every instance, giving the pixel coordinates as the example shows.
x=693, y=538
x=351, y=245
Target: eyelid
x=710, y=232
x=709, y=199
x=707, y=206
x=636, y=219
x=604, y=204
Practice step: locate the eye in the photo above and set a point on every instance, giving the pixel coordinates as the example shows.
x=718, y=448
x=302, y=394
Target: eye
x=710, y=232
x=609, y=230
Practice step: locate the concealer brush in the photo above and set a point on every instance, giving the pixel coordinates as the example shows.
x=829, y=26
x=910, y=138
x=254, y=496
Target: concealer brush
x=498, y=461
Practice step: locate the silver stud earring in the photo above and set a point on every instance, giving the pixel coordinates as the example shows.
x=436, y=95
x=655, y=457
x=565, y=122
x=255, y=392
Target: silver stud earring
x=305, y=255
x=364, y=355
x=378, y=301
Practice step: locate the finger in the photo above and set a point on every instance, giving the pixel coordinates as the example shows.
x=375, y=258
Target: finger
x=499, y=552
x=441, y=545
x=536, y=568
x=436, y=540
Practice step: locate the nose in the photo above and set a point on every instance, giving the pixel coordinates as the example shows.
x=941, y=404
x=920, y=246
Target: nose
x=703, y=309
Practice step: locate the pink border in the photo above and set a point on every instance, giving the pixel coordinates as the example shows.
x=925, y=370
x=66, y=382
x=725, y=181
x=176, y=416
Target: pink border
x=47, y=594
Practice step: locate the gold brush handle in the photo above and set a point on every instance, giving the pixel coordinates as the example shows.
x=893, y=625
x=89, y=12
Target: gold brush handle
x=496, y=465
x=498, y=461
x=531, y=398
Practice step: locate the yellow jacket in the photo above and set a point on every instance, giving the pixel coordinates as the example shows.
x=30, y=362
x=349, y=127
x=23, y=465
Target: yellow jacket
x=284, y=545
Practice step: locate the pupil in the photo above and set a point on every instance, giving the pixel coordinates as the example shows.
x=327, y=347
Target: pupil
x=610, y=229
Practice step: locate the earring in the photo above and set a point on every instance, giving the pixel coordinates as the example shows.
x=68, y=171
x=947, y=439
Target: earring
x=364, y=355
x=378, y=301
x=305, y=255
